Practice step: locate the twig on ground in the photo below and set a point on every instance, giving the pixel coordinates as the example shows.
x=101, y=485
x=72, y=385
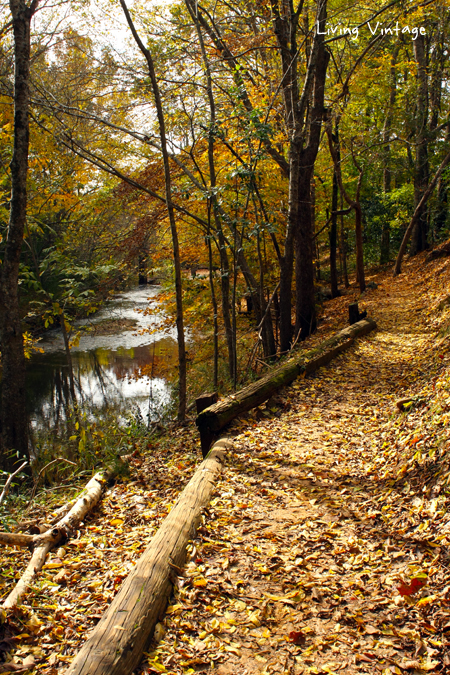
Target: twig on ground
x=9, y=481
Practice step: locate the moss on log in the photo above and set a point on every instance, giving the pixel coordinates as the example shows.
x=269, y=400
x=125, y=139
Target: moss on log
x=211, y=420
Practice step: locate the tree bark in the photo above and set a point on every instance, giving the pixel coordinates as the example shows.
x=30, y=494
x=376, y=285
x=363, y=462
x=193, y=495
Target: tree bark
x=215, y=312
x=14, y=437
x=305, y=306
x=303, y=120
x=355, y=204
x=387, y=173
x=359, y=244
x=343, y=247
x=419, y=241
x=333, y=238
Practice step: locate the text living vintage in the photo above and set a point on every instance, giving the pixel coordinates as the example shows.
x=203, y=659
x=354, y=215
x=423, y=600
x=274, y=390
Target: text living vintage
x=374, y=29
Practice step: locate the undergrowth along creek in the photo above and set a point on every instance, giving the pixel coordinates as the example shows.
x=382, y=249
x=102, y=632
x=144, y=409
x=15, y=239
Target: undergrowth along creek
x=324, y=548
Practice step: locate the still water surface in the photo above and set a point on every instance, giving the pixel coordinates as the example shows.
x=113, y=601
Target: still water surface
x=124, y=368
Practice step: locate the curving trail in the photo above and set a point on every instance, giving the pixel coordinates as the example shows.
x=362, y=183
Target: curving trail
x=332, y=504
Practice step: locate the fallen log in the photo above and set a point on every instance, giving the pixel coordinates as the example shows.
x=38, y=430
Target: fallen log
x=211, y=420
x=116, y=644
x=13, y=539
x=43, y=543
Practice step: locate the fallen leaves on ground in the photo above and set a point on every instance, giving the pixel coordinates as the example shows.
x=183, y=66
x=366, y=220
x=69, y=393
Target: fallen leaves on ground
x=324, y=548
x=80, y=579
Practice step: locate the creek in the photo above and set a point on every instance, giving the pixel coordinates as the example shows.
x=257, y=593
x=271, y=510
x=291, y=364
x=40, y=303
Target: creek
x=121, y=361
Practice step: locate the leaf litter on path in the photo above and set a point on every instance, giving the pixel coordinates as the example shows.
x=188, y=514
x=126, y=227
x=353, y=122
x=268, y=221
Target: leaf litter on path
x=324, y=549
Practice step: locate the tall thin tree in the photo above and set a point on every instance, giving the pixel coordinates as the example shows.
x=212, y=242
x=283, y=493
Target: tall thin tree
x=14, y=441
x=171, y=213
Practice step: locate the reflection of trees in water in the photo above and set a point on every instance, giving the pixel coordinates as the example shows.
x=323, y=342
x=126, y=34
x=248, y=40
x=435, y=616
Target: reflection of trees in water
x=103, y=379
x=97, y=379
x=146, y=361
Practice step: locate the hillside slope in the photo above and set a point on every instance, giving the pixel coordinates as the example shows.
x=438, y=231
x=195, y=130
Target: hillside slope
x=325, y=549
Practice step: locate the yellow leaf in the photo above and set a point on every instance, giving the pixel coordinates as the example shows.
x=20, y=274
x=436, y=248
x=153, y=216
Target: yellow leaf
x=426, y=601
x=200, y=581
x=157, y=667
x=233, y=650
x=253, y=617
x=173, y=608
x=33, y=622
x=116, y=521
x=59, y=632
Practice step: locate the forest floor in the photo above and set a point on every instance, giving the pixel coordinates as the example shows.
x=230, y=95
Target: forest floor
x=325, y=547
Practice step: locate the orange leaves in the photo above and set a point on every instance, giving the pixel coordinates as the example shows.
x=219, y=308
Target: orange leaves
x=412, y=588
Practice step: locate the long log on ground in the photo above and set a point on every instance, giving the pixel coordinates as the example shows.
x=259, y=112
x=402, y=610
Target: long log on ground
x=116, y=644
x=43, y=543
x=211, y=420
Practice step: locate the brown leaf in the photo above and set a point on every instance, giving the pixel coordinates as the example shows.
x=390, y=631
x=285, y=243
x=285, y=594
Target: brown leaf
x=297, y=637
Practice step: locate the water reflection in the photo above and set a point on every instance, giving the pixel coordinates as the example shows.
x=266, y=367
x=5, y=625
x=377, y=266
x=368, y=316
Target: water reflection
x=125, y=367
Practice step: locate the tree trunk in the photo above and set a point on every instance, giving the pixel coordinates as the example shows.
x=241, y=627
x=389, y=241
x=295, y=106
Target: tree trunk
x=387, y=174
x=442, y=209
x=287, y=262
x=355, y=204
x=171, y=214
x=215, y=311
x=305, y=315
x=224, y=275
x=305, y=306
x=343, y=247
x=333, y=238
x=225, y=297
x=419, y=241
x=359, y=246
x=14, y=441
x=259, y=304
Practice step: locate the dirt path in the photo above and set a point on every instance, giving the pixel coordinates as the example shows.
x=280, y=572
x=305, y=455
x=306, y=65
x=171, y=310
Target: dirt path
x=316, y=524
